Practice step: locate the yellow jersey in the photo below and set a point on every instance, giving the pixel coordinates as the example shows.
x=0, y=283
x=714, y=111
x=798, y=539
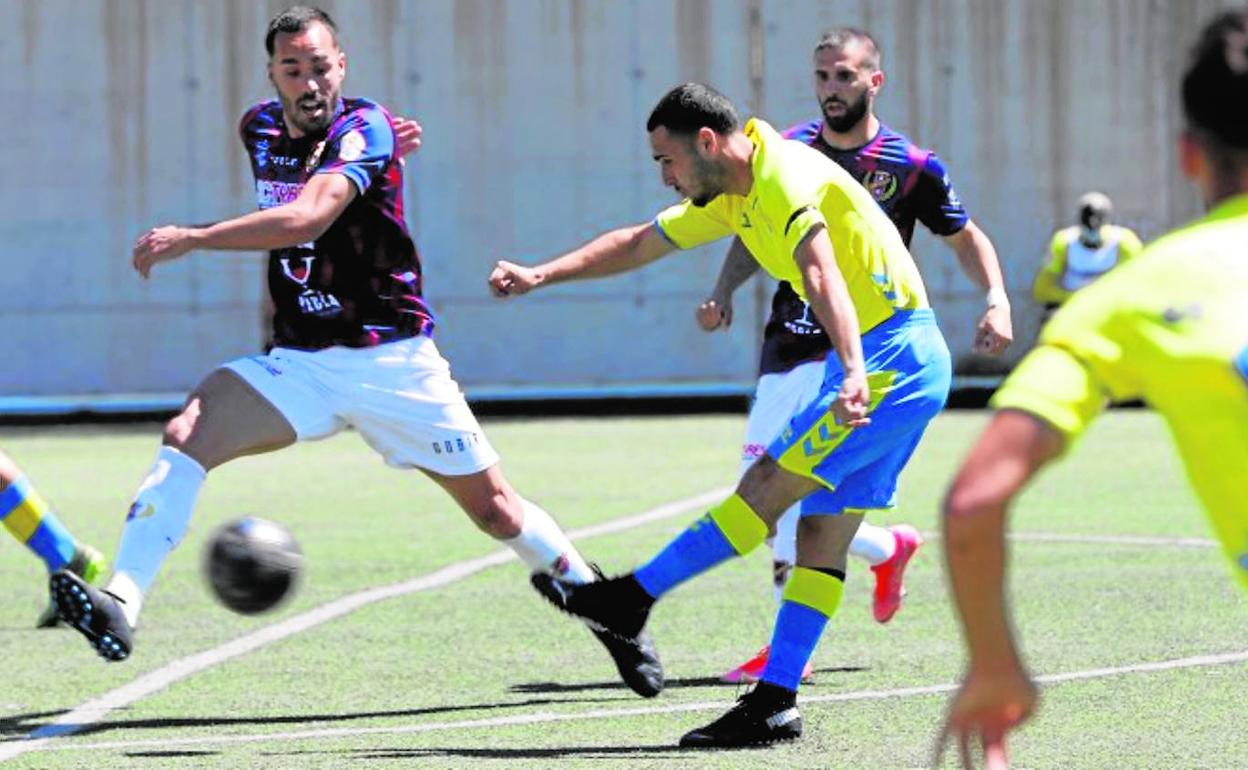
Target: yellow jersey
x=1072, y=265
x=1170, y=327
x=797, y=188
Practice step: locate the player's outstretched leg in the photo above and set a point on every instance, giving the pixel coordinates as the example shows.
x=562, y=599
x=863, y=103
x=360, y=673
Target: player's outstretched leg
x=96, y=614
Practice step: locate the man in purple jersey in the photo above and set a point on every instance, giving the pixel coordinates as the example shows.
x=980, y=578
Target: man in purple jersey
x=351, y=344
x=911, y=185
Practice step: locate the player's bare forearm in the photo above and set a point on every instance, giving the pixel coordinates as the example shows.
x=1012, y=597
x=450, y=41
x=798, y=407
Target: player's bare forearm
x=995, y=329
x=1011, y=450
x=303, y=220
x=976, y=256
x=616, y=251
x=829, y=299
x=738, y=267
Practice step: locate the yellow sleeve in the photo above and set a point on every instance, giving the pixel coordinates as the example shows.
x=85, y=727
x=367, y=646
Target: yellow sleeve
x=1047, y=288
x=1055, y=386
x=1128, y=245
x=685, y=225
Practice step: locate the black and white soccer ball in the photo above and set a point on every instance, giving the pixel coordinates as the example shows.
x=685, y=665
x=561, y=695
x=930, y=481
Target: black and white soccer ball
x=252, y=564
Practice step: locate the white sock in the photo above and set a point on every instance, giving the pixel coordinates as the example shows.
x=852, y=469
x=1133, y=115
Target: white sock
x=784, y=546
x=874, y=544
x=155, y=525
x=543, y=546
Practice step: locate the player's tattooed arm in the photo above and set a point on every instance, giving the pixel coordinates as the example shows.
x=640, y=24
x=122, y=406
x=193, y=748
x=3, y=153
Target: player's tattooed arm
x=616, y=251
x=716, y=311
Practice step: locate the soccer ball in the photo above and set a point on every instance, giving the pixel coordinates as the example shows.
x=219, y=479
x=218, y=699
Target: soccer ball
x=252, y=564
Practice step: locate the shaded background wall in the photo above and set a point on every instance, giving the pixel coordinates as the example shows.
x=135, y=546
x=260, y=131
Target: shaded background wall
x=122, y=114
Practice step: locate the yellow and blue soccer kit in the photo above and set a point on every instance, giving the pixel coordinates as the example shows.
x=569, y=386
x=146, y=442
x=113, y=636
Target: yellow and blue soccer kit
x=796, y=189
x=1171, y=328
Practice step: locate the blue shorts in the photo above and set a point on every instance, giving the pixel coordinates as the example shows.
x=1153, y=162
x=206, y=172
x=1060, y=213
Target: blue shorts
x=909, y=372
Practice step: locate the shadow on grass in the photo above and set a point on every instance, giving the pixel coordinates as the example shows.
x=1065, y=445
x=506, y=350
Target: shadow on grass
x=21, y=724
x=695, y=681
x=666, y=752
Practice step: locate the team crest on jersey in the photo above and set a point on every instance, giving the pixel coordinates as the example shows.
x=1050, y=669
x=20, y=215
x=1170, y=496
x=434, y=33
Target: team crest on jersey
x=352, y=146
x=298, y=274
x=881, y=184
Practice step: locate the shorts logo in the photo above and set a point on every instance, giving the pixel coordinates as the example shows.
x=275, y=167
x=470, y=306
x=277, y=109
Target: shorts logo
x=455, y=445
x=753, y=451
x=881, y=184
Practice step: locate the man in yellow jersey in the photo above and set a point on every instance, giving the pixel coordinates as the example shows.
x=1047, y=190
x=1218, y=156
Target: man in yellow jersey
x=810, y=223
x=1081, y=253
x=1171, y=328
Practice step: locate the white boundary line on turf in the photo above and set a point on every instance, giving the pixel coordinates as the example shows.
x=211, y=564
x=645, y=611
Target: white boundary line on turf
x=1196, y=661
x=154, y=681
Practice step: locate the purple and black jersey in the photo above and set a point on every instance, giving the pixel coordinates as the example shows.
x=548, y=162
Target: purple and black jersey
x=908, y=182
x=359, y=284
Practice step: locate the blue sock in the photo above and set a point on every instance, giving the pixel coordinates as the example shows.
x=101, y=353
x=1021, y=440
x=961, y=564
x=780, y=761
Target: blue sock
x=797, y=631
x=693, y=552
x=27, y=516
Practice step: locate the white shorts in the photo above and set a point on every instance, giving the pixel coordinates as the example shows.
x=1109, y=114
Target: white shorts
x=399, y=396
x=777, y=399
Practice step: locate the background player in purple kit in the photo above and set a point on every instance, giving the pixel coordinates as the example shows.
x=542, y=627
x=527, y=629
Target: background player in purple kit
x=351, y=344
x=911, y=185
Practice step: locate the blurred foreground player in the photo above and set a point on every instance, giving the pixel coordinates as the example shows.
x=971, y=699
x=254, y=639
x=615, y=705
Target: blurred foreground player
x=1171, y=328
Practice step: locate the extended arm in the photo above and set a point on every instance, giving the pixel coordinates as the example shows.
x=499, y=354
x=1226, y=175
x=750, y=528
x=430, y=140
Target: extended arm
x=996, y=693
x=616, y=251
x=303, y=220
x=829, y=299
x=978, y=259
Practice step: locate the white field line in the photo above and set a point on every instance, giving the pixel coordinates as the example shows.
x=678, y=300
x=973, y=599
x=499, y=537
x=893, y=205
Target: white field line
x=154, y=681
x=1164, y=542
x=552, y=717
x=96, y=709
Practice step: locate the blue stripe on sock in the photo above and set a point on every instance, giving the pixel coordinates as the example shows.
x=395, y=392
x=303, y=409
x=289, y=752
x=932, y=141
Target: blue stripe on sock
x=793, y=641
x=13, y=495
x=693, y=552
x=52, y=542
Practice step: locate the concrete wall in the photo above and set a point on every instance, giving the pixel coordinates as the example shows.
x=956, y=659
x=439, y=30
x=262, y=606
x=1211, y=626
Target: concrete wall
x=121, y=114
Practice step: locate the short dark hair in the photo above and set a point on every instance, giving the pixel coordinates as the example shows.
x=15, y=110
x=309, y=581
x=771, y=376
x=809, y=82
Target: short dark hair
x=297, y=19
x=1215, y=86
x=687, y=108
x=839, y=37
